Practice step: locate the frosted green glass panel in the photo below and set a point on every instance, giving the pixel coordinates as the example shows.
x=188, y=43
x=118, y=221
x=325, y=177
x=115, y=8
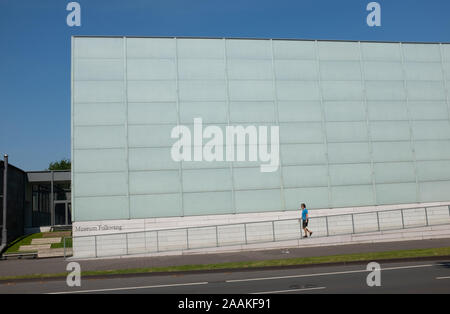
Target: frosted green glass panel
x=445, y=49
x=158, y=205
x=433, y=170
x=396, y=193
x=355, y=195
x=250, y=90
x=99, y=114
x=344, y=111
x=98, y=48
x=99, y=137
x=255, y=49
x=429, y=130
x=249, y=69
x=151, y=159
x=301, y=154
x=241, y=112
x=100, y=184
x=422, y=71
x=209, y=111
x=97, y=91
x=346, y=131
x=98, y=69
x=297, y=90
x=428, y=110
x=425, y=90
x=350, y=174
x=394, y=172
x=384, y=90
x=381, y=51
x=348, y=152
x=296, y=111
x=207, y=69
x=152, y=113
x=392, y=151
x=446, y=68
x=200, y=48
x=207, y=202
x=307, y=132
x=258, y=201
x=149, y=182
x=253, y=178
x=387, y=110
x=284, y=49
x=421, y=52
x=150, y=135
x=206, y=180
x=316, y=197
x=202, y=90
x=146, y=91
x=390, y=131
x=92, y=160
x=296, y=70
x=385, y=71
x=342, y=90
x=340, y=70
x=101, y=208
x=305, y=176
x=432, y=150
x=338, y=50
x=150, y=48
x=151, y=69
x=432, y=191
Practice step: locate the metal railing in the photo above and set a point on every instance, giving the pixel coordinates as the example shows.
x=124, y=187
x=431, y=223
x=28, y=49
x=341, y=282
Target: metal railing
x=236, y=234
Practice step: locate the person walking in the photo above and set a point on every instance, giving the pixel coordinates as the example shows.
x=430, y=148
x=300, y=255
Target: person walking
x=305, y=221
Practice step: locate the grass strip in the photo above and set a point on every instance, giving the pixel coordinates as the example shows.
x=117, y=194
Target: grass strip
x=444, y=251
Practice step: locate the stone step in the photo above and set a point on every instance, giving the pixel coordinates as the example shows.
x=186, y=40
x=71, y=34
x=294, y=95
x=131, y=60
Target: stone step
x=57, y=234
x=43, y=253
x=45, y=240
x=33, y=247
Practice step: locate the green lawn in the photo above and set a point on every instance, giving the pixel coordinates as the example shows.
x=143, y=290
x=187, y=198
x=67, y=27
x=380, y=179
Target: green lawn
x=26, y=240
x=391, y=255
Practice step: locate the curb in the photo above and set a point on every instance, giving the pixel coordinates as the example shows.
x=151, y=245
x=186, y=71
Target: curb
x=225, y=270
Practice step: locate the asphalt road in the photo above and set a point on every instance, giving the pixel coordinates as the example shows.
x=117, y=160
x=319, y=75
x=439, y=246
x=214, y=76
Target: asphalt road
x=405, y=277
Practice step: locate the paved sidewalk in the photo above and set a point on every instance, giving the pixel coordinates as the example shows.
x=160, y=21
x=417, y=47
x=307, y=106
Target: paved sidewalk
x=58, y=265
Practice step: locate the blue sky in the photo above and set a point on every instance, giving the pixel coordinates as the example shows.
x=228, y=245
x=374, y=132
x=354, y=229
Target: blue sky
x=35, y=47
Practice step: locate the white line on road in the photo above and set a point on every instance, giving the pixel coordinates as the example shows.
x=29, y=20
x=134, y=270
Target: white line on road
x=292, y=290
x=325, y=274
x=438, y=278
x=133, y=288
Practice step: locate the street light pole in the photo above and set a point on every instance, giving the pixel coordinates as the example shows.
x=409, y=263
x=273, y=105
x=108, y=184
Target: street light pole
x=5, y=181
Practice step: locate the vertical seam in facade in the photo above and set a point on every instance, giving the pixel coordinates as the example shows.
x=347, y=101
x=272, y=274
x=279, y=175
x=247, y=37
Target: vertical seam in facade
x=369, y=133
x=180, y=165
x=411, y=136
x=233, y=193
x=72, y=172
x=125, y=98
x=277, y=121
x=324, y=130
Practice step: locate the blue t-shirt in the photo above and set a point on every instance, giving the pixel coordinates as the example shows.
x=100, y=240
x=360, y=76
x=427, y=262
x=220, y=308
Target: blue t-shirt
x=304, y=213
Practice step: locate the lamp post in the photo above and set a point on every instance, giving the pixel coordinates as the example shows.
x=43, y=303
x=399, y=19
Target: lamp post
x=5, y=181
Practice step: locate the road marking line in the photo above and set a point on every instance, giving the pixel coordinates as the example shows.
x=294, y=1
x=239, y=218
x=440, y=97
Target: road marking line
x=325, y=274
x=292, y=290
x=132, y=288
x=438, y=278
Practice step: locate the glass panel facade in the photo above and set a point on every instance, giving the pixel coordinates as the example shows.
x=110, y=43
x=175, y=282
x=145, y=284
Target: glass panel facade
x=360, y=124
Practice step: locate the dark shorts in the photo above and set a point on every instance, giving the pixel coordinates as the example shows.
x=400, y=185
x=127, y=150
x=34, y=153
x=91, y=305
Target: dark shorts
x=305, y=223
